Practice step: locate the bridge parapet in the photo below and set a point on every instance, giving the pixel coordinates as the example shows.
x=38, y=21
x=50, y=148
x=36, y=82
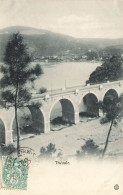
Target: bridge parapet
x=76, y=90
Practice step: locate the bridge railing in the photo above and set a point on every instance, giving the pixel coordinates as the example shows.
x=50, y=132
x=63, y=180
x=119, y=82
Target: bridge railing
x=73, y=90
x=67, y=91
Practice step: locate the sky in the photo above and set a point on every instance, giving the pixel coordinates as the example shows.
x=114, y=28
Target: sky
x=77, y=18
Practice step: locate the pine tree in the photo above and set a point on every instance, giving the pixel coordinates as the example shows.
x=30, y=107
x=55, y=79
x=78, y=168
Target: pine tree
x=113, y=111
x=17, y=76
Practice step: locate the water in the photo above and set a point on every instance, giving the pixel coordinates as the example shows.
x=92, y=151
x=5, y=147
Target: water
x=66, y=74
x=61, y=75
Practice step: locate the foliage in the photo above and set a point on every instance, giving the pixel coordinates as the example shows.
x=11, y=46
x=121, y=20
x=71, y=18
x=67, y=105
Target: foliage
x=27, y=118
x=42, y=90
x=110, y=70
x=59, y=120
x=7, y=150
x=113, y=111
x=92, y=55
x=48, y=151
x=36, y=104
x=104, y=120
x=17, y=72
x=110, y=51
x=17, y=76
x=30, y=129
x=88, y=149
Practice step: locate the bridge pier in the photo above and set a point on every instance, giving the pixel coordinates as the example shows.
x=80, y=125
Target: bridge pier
x=8, y=137
x=47, y=127
x=76, y=115
x=101, y=113
x=7, y=118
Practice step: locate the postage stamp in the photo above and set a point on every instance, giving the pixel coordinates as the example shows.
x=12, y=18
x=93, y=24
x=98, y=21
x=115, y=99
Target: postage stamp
x=14, y=172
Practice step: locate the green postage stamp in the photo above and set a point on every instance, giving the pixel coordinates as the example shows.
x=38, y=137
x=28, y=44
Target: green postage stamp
x=14, y=172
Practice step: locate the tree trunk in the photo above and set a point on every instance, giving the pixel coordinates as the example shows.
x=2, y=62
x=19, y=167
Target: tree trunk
x=106, y=144
x=17, y=127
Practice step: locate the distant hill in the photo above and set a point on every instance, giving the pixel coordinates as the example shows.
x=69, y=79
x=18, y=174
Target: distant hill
x=45, y=43
x=102, y=43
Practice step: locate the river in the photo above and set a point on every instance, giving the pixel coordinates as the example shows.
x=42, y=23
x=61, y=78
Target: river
x=60, y=75
x=65, y=74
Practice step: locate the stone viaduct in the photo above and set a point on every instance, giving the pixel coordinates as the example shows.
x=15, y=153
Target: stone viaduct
x=73, y=101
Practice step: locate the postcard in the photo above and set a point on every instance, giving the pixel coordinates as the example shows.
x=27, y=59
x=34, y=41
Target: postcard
x=61, y=97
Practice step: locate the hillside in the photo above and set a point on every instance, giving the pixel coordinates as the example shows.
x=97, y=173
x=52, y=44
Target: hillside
x=45, y=43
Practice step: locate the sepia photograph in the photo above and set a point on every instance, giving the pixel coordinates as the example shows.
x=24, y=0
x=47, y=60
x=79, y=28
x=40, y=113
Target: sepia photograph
x=61, y=97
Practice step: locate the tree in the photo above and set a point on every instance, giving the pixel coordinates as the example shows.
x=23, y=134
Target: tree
x=92, y=55
x=18, y=75
x=48, y=151
x=110, y=70
x=113, y=110
x=88, y=149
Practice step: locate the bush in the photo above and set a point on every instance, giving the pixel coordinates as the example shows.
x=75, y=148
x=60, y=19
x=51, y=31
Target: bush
x=59, y=120
x=36, y=104
x=29, y=129
x=42, y=90
x=48, y=151
x=104, y=120
x=89, y=149
x=7, y=150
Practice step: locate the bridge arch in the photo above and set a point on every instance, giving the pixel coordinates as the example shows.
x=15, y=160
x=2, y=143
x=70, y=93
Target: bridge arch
x=111, y=93
x=89, y=105
x=31, y=121
x=68, y=110
x=38, y=119
x=96, y=94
